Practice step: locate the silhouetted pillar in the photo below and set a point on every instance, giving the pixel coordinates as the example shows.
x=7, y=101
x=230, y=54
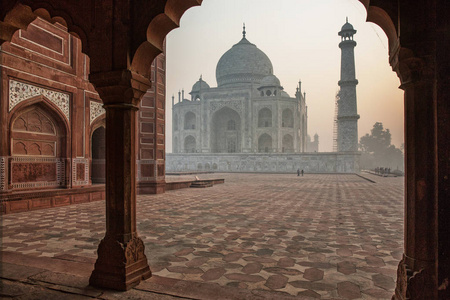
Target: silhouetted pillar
x=417, y=276
x=121, y=261
x=443, y=145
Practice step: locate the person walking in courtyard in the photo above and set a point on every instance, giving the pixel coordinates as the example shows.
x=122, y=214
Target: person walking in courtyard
x=298, y=172
x=302, y=172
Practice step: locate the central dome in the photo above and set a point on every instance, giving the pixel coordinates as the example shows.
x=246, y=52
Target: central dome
x=244, y=63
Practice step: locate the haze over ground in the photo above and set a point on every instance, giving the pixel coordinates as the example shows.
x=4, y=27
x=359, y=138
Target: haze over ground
x=300, y=38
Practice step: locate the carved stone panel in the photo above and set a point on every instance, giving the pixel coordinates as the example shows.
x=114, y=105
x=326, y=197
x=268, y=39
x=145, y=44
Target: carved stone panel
x=80, y=171
x=236, y=105
x=20, y=91
x=33, y=172
x=3, y=165
x=96, y=110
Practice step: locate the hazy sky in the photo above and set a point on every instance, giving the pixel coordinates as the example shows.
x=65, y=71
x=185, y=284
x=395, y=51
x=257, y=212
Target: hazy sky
x=300, y=38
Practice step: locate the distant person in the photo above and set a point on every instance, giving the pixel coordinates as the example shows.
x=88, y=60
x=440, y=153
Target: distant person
x=298, y=172
x=302, y=172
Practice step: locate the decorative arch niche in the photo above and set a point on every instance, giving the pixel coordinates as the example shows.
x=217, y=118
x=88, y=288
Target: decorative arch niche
x=287, y=118
x=265, y=143
x=190, y=144
x=189, y=120
x=37, y=138
x=288, y=143
x=265, y=117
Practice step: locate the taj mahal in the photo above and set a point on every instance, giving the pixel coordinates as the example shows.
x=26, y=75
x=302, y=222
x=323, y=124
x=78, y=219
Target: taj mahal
x=249, y=123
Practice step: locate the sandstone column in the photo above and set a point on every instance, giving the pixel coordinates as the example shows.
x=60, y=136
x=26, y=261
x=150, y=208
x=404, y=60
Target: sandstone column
x=121, y=261
x=417, y=271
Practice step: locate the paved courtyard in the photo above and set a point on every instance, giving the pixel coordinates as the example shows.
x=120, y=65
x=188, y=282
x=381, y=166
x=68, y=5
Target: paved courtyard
x=322, y=236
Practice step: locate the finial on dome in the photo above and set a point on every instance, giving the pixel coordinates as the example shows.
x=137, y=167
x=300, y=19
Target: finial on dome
x=243, y=31
x=346, y=19
x=200, y=77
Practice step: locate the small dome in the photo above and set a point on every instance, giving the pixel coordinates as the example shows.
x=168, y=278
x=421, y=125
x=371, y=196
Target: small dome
x=347, y=26
x=270, y=80
x=199, y=85
x=285, y=95
x=347, y=30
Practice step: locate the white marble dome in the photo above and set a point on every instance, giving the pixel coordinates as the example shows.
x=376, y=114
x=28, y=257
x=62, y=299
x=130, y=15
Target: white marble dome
x=244, y=63
x=200, y=85
x=270, y=81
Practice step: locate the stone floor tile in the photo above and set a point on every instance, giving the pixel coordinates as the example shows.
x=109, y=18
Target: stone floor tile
x=309, y=293
x=244, y=277
x=252, y=268
x=378, y=293
x=383, y=281
x=348, y=290
x=184, y=270
x=346, y=267
x=313, y=274
x=276, y=282
x=213, y=274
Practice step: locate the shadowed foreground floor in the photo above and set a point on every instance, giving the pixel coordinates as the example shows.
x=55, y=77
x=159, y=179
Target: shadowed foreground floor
x=256, y=236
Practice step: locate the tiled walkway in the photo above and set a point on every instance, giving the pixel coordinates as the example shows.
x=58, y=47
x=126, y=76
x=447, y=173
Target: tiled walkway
x=323, y=236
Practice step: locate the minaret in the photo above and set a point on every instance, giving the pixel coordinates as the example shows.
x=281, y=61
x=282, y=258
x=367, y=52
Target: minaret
x=347, y=114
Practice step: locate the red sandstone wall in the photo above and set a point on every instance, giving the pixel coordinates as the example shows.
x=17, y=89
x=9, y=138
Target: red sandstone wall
x=43, y=68
x=151, y=132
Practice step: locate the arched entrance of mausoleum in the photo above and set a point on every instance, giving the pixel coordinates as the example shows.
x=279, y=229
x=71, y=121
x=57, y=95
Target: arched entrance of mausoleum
x=226, y=131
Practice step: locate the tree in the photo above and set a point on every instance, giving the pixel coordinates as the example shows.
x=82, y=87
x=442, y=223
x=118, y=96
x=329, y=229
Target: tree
x=377, y=150
x=377, y=141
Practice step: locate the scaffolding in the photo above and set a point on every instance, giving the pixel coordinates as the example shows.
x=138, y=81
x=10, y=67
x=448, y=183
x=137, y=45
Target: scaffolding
x=335, y=123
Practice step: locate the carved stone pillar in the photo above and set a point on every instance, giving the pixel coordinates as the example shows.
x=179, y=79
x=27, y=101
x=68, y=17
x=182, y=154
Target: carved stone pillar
x=416, y=275
x=121, y=261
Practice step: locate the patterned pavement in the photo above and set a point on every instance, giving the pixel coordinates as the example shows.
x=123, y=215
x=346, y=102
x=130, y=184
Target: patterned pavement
x=322, y=236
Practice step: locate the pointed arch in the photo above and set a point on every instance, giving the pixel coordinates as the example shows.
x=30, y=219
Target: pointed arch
x=265, y=117
x=46, y=105
x=190, y=145
x=288, y=143
x=265, y=143
x=287, y=118
x=190, y=120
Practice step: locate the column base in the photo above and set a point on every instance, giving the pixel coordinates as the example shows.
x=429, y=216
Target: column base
x=120, y=266
x=146, y=187
x=414, y=285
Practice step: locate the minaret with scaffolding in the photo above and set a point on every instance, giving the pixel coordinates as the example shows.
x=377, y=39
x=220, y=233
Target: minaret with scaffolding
x=347, y=117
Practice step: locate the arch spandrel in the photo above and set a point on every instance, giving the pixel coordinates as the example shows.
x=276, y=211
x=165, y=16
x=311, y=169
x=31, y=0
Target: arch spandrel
x=380, y=17
x=22, y=13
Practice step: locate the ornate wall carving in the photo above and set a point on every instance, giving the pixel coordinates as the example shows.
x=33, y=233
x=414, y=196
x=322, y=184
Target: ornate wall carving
x=96, y=110
x=236, y=105
x=3, y=184
x=80, y=171
x=33, y=172
x=20, y=91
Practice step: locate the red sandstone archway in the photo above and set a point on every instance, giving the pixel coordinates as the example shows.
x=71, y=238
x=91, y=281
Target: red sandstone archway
x=120, y=74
